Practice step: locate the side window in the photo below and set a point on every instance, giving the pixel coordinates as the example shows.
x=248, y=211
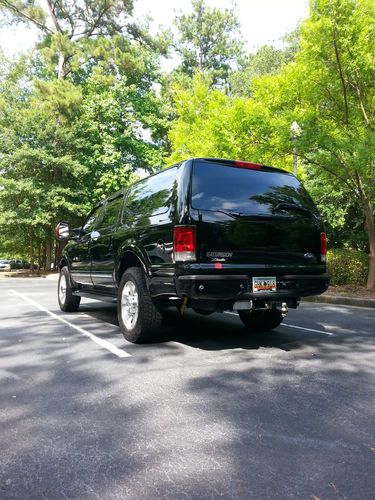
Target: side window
x=112, y=209
x=151, y=196
x=89, y=225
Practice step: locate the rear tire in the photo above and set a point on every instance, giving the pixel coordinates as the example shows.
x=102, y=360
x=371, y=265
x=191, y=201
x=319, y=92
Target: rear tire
x=137, y=314
x=67, y=301
x=260, y=320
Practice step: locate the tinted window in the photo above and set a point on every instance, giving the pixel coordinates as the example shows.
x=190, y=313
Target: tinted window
x=89, y=225
x=151, y=196
x=112, y=209
x=245, y=191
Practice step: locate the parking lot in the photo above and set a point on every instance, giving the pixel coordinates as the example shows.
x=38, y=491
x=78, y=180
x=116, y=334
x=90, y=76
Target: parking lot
x=209, y=412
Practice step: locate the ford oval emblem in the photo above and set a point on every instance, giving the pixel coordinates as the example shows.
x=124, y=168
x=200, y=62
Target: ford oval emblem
x=309, y=256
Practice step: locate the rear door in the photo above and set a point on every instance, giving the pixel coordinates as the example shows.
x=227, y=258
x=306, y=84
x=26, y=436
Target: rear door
x=147, y=218
x=102, y=248
x=254, y=217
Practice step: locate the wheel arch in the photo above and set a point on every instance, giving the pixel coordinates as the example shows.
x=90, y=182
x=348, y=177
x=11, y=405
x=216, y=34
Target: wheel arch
x=130, y=257
x=63, y=262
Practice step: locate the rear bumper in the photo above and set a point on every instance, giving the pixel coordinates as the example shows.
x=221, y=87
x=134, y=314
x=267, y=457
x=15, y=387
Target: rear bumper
x=234, y=287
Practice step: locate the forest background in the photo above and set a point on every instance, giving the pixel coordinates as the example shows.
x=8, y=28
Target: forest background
x=89, y=109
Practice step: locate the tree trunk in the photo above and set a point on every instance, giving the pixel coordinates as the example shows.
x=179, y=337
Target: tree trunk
x=61, y=67
x=48, y=252
x=370, y=225
x=31, y=251
x=43, y=266
x=39, y=256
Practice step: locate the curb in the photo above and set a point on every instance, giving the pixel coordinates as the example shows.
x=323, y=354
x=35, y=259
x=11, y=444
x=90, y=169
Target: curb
x=343, y=301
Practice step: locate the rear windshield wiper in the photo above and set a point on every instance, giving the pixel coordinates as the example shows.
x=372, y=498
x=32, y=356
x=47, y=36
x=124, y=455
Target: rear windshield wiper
x=237, y=215
x=292, y=206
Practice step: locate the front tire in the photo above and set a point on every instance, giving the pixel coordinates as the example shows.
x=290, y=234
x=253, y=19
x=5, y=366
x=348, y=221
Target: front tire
x=67, y=301
x=261, y=320
x=137, y=315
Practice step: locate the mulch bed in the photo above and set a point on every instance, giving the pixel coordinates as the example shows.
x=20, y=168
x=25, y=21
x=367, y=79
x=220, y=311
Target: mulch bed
x=351, y=291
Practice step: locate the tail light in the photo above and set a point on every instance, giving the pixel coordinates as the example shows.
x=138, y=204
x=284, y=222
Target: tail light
x=323, y=246
x=184, y=243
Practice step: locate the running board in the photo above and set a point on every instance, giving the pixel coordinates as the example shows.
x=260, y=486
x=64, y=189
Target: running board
x=97, y=296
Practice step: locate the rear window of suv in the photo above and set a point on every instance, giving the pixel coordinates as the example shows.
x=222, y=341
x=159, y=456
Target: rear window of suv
x=244, y=191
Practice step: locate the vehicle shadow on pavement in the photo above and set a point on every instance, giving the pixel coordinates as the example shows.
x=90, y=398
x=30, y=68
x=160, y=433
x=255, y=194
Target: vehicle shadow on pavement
x=77, y=422
x=225, y=331
x=211, y=333
x=214, y=333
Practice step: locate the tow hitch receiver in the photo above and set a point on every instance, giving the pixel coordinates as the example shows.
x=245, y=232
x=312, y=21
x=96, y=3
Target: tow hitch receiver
x=251, y=305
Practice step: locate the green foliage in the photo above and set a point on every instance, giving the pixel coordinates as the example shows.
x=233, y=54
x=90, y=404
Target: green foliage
x=328, y=88
x=347, y=267
x=210, y=123
x=209, y=41
x=118, y=129
x=341, y=211
x=80, y=116
x=267, y=60
x=41, y=178
x=61, y=141
x=78, y=35
x=66, y=144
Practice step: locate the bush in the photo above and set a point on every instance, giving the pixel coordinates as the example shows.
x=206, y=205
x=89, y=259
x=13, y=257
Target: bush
x=347, y=267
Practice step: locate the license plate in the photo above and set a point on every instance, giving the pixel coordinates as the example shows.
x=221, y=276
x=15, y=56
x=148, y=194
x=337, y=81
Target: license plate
x=264, y=284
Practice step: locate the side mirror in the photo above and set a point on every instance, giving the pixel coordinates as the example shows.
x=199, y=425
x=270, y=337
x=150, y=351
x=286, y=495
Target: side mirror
x=62, y=231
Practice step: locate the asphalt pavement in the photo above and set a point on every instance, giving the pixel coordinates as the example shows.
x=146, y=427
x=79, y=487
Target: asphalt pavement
x=208, y=412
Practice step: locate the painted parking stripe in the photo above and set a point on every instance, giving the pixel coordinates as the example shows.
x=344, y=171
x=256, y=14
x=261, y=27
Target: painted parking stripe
x=103, y=343
x=293, y=326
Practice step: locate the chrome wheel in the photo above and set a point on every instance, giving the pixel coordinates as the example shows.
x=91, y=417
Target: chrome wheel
x=62, y=288
x=129, y=305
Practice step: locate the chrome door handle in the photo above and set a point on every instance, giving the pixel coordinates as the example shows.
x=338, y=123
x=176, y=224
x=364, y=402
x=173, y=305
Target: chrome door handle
x=161, y=245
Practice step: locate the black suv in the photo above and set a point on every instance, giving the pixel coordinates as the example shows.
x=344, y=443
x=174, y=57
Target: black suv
x=209, y=234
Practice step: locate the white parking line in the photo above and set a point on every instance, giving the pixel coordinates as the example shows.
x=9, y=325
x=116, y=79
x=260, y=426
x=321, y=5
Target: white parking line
x=293, y=326
x=103, y=343
x=307, y=329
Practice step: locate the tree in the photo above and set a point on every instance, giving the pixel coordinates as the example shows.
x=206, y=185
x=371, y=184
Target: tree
x=267, y=60
x=63, y=146
x=330, y=91
x=88, y=115
x=211, y=123
x=208, y=40
x=341, y=211
x=119, y=130
x=40, y=176
x=67, y=25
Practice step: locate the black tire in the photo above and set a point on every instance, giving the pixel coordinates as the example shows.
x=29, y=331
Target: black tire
x=148, y=317
x=261, y=321
x=67, y=302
